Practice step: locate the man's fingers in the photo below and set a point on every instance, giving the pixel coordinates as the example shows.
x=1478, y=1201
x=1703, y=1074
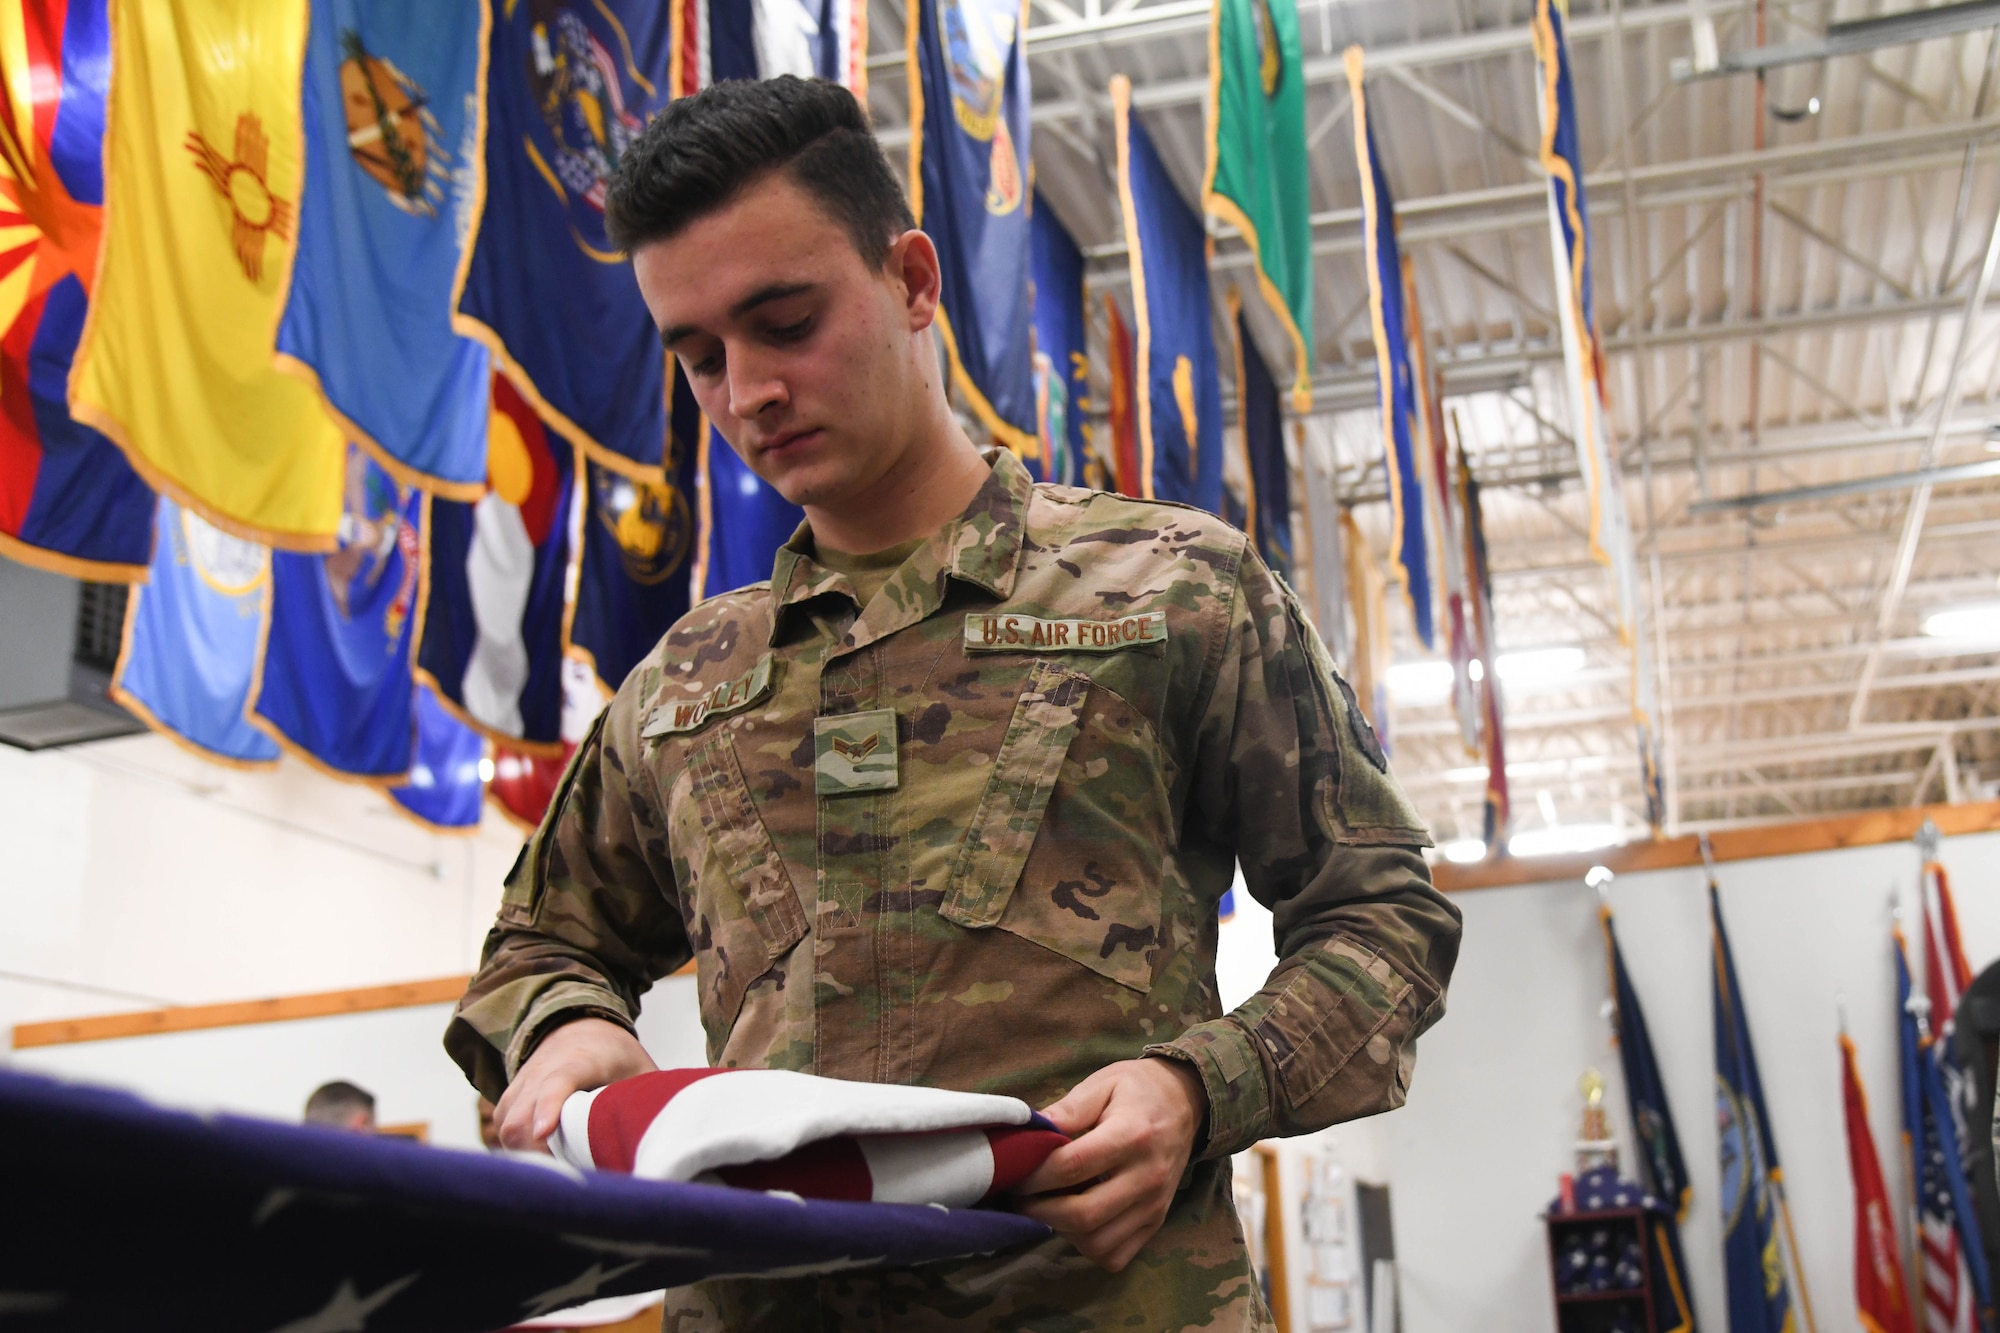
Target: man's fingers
x=1099, y=1152
x=1084, y=1105
x=1080, y=1214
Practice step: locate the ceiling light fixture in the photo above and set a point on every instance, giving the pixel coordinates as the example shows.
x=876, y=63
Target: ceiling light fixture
x=1420, y=682
x=1561, y=838
x=1536, y=666
x=1976, y=622
x=1464, y=851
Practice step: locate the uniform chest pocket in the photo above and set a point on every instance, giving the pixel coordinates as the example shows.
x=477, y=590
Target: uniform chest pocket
x=746, y=915
x=1066, y=846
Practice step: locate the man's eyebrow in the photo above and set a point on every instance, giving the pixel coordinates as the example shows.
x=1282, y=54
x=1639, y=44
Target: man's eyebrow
x=775, y=291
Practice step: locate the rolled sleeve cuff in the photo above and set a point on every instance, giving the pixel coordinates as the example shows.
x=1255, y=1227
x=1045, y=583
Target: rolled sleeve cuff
x=1225, y=1057
x=562, y=1003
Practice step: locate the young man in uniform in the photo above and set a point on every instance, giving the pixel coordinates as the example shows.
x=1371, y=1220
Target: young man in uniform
x=952, y=799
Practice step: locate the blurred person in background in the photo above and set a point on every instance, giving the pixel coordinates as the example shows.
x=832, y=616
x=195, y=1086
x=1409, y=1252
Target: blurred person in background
x=341, y=1105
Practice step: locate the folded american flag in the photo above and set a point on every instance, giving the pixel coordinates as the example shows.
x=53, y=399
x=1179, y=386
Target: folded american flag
x=118, y=1214
x=818, y=1138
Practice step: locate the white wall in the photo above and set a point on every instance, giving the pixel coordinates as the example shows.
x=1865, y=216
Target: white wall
x=1492, y=1116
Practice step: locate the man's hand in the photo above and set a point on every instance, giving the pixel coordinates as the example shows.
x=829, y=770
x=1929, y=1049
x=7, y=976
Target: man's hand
x=582, y=1054
x=1134, y=1125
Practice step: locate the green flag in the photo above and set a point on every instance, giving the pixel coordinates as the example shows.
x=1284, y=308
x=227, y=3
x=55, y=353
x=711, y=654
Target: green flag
x=1256, y=172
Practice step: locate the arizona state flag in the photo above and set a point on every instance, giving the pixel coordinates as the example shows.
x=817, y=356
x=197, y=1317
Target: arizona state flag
x=206, y=163
x=444, y=791
x=1395, y=381
x=1881, y=1298
x=1261, y=420
x=1257, y=178
x=1124, y=407
x=334, y=684
x=394, y=112
x=570, y=83
x=1062, y=349
x=1177, y=380
x=493, y=621
x=632, y=568
x=189, y=659
x=68, y=499
x=968, y=80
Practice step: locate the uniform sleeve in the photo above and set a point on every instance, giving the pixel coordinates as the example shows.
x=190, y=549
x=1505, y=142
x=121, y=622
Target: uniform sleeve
x=590, y=917
x=1288, y=772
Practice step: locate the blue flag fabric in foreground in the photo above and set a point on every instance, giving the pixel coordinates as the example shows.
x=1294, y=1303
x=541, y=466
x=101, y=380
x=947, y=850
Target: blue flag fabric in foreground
x=233, y=1225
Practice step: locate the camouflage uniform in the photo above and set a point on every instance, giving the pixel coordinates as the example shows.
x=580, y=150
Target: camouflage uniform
x=974, y=836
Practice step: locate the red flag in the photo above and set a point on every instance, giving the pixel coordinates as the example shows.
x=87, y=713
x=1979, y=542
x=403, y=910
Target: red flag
x=1124, y=407
x=1879, y=1291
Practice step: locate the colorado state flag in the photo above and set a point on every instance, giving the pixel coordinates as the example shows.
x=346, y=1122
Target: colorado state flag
x=968, y=79
x=206, y=164
x=1179, y=394
x=570, y=83
x=68, y=499
x=189, y=660
x=394, y=114
x=1062, y=352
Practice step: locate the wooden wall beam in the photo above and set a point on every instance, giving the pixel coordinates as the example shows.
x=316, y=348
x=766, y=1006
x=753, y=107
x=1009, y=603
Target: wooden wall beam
x=189, y=1018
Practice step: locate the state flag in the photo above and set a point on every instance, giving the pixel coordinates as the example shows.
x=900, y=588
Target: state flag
x=1261, y=435
x=1123, y=410
x=1062, y=350
x=444, y=791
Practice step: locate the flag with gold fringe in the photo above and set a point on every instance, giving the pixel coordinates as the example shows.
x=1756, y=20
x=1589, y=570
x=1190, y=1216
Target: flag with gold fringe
x=967, y=71
x=1368, y=605
x=1257, y=177
x=1122, y=415
x=1062, y=349
x=445, y=791
x=394, y=112
x=1176, y=380
x=1396, y=388
x=205, y=164
x=1881, y=1297
x=1261, y=436
x=69, y=501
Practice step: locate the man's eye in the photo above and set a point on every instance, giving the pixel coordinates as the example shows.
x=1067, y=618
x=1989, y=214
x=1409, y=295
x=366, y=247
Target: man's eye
x=708, y=365
x=793, y=332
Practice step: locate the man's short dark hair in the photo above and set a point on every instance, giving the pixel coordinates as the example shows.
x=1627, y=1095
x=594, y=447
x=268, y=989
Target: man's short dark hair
x=702, y=151
x=337, y=1103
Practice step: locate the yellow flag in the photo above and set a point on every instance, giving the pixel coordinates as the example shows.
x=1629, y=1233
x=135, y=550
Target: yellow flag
x=204, y=166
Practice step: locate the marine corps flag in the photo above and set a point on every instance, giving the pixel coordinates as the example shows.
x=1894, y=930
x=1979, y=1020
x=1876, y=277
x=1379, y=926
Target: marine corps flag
x=1062, y=349
x=569, y=85
x=968, y=80
x=1257, y=179
x=206, y=161
x=1583, y=357
x=1395, y=382
x=1261, y=424
x=1881, y=1299
x=334, y=684
x=1177, y=382
x=395, y=109
x=444, y=791
x=189, y=659
x=69, y=501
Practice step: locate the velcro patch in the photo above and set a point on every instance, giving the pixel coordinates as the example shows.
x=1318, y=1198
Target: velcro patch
x=731, y=696
x=990, y=632
x=855, y=752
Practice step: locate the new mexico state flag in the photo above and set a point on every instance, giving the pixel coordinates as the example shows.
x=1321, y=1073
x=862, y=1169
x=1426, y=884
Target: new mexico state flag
x=205, y=161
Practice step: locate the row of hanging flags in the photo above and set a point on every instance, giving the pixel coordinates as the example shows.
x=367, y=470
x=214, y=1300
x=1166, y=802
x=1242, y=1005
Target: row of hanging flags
x=1942, y=1285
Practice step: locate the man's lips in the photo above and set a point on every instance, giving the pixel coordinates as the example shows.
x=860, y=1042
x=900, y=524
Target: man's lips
x=788, y=442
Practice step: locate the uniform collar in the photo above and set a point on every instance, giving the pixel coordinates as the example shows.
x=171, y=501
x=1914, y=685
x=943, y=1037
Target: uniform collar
x=982, y=546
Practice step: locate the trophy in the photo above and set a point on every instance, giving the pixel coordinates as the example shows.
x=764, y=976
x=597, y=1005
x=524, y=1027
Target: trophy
x=1594, y=1145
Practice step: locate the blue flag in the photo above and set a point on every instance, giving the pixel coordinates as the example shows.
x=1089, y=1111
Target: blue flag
x=742, y=522
x=569, y=86
x=1269, y=475
x=633, y=574
x=493, y=621
x=1062, y=349
x=335, y=684
x=69, y=501
x=445, y=790
x=968, y=80
x=1395, y=385
x=1179, y=392
x=393, y=112
x=191, y=633
x=1759, y=1300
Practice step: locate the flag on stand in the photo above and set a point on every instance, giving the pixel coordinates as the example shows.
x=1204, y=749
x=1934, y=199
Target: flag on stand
x=1445, y=553
x=444, y=789
x=1257, y=178
x=1395, y=384
x=1759, y=1297
x=1124, y=406
x=1368, y=604
x=1062, y=347
x=394, y=110
x=1583, y=357
x=569, y=86
x=1483, y=649
x=1178, y=389
x=968, y=82
x=205, y=164
x=1267, y=473
x=1881, y=1299
x=493, y=623
x=69, y=501
x=334, y=684
x=189, y=659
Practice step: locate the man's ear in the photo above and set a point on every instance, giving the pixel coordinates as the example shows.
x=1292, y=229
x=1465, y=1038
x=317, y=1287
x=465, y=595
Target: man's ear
x=913, y=264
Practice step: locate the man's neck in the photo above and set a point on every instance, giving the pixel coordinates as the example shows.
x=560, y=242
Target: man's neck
x=931, y=485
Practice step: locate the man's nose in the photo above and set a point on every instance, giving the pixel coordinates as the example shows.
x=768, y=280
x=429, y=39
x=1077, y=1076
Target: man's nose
x=754, y=388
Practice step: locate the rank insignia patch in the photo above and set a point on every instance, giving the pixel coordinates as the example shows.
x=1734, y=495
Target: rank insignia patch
x=856, y=752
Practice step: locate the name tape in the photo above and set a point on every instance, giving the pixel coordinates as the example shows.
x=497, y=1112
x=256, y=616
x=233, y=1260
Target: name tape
x=1000, y=633
x=729, y=697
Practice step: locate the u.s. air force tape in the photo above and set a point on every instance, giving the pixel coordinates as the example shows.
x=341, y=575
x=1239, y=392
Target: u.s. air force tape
x=993, y=632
